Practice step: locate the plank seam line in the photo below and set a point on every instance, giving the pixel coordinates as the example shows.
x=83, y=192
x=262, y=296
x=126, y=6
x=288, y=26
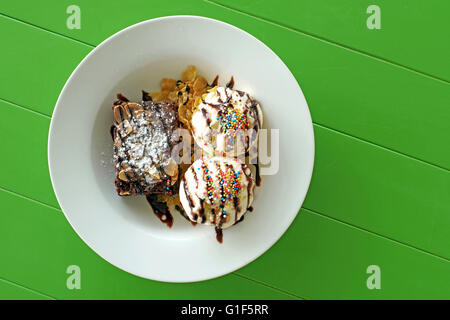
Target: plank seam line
x=383, y=147
x=267, y=285
x=26, y=288
x=315, y=123
x=48, y=30
x=425, y=74
x=25, y=108
x=311, y=210
x=379, y=235
x=29, y=198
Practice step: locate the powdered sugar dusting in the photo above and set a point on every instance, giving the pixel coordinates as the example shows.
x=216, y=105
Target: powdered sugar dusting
x=145, y=142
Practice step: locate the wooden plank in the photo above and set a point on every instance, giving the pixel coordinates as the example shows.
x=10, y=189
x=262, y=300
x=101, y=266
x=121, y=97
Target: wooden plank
x=346, y=91
x=39, y=244
x=413, y=33
x=12, y=291
x=24, y=139
x=35, y=65
x=318, y=258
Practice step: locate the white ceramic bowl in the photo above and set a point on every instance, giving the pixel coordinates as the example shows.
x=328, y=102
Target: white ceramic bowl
x=123, y=230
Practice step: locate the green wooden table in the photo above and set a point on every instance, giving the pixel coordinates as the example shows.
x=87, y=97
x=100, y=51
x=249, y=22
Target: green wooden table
x=380, y=193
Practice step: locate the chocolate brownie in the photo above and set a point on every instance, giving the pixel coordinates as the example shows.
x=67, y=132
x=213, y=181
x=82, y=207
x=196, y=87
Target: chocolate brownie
x=144, y=136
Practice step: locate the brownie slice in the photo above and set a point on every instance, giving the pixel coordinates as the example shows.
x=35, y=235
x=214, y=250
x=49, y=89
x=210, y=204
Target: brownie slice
x=144, y=136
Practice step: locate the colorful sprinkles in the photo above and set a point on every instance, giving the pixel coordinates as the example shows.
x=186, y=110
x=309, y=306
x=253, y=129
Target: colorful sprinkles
x=169, y=188
x=232, y=119
x=222, y=185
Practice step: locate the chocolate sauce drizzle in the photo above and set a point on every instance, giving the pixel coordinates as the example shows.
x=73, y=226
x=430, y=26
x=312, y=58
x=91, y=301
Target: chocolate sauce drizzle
x=160, y=209
x=112, y=131
x=219, y=234
x=258, y=177
x=120, y=98
x=230, y=84
x=183, y=213
x=215, y=81
x=188, y=195
x=206, y=116
x=236, y=207
x=146, y=96
x=202, y=210
x=195, y=177
x=189, y=199
x=219, y=231
x=241, y=219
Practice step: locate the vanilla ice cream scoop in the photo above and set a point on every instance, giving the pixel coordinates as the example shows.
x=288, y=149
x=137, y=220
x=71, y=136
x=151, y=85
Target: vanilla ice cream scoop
x=227, y=122
x=217, y=191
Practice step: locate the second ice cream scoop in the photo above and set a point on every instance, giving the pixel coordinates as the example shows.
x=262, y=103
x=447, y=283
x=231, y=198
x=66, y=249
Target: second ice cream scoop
x=217, y=191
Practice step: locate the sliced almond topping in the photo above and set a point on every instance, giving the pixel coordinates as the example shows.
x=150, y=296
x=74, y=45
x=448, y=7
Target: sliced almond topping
x=128, y=130
x=125, y=111
x=154, y=174
x=125, y=128
x=171, y=169
x=117, y=116
x=123, y=176
x=135, y=107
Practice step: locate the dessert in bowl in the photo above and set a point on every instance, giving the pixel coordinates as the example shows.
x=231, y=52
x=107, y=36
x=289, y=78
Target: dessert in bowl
x=218, y=188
